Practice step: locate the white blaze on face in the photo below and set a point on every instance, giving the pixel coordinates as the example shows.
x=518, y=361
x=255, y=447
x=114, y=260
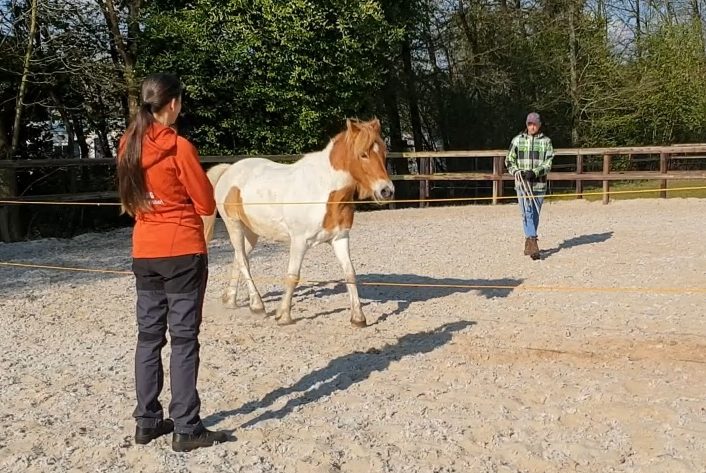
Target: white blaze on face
x=382, y=189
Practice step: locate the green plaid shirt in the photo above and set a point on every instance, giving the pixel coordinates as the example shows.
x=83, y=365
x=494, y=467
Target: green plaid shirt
x=531, y=153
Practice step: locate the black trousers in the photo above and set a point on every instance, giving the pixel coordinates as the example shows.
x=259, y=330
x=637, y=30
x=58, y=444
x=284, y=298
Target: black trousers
x=170, y=295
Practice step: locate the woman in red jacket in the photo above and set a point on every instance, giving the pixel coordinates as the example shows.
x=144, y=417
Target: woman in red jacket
x=161, y=183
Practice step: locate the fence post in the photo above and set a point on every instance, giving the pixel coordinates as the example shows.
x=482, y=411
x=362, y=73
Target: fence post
x=424, y=168
x=606, y=183
x=497, y=178
x=579, y=170
x=663, y=167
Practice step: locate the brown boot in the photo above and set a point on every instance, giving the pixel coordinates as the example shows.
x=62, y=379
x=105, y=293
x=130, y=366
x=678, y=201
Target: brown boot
x=533, y=248
x=527, y=246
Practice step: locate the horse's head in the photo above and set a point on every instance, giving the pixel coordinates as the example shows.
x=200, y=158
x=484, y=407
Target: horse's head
x=360, y=151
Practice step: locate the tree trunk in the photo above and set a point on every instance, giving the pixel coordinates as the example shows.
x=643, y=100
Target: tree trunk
x=25, y=79
x=441, y=117
x=638, y=30
x=132, y=90
x=412, y=99
x=80, y=136
x=9, y=214
x=4, y=142
x=414, y=116
x=392, y=111
x=68, y=124
x=133, y=29
x=471, y=37
x=699, y=22
x=393, y=114
x=671, y=13
x=103, y=131
x=83, y=147
x=573, y=74
x=124, y=50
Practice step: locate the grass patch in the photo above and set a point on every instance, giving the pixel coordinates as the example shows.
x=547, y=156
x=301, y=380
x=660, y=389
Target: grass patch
x=623, y=186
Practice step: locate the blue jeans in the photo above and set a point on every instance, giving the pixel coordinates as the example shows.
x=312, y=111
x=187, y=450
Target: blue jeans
x=530, y=212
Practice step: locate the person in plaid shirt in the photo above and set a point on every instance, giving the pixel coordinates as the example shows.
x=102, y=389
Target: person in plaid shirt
x=529, y=160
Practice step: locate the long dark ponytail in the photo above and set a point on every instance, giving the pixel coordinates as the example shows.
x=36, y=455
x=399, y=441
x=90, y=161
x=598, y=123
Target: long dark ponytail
x=156, y=92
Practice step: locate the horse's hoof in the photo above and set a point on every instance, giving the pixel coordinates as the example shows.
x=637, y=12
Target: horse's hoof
x=229, y=301
x=257, y=310
x=359, y=323
x=285, y=321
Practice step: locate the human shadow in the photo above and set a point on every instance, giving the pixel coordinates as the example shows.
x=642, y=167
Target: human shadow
x=576, y=241
x=403, y=289
x=343, y=372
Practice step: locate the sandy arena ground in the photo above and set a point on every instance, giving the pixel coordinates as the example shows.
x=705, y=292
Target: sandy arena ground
x=589, y=377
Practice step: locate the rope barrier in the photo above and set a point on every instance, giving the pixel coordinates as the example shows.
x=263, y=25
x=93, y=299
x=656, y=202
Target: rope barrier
x=397, y=201
x=454, y=286
x=62, y=268
x=618, y=289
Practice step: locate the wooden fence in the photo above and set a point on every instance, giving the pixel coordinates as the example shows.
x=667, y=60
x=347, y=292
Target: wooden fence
x=497, y=175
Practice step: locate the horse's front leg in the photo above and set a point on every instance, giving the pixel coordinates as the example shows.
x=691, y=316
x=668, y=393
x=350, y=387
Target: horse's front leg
x=297, y=250
x=342, y=251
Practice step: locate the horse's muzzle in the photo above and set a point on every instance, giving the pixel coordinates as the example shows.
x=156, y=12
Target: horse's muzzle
x=386, y=192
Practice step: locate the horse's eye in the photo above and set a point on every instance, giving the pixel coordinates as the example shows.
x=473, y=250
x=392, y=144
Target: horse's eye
x=364, y=156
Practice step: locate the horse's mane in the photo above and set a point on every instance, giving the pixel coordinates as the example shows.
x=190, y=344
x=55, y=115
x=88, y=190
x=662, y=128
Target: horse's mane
x=362, y=137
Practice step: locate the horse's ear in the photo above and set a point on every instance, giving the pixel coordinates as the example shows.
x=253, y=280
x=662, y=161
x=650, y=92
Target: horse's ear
x=375, y=124
x=352, y=125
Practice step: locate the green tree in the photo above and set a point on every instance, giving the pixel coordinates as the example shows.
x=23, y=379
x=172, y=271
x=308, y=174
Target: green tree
x=265, y=76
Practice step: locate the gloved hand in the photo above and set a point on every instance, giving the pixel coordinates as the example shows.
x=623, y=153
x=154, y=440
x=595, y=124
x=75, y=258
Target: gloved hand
x=528, y=175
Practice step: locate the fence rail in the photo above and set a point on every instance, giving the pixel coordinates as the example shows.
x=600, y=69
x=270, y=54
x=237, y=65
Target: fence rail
x=664, y=155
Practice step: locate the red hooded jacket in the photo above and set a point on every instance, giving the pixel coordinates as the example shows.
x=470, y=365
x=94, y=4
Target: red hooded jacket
x=180, y=193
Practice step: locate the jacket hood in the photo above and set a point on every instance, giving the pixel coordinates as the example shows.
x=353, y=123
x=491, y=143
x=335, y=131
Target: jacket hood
x=158, y=143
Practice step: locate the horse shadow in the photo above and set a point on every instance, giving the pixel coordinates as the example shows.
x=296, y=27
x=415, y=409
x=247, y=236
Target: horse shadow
x=401, y=289
x=341, y=373
x=576, y=241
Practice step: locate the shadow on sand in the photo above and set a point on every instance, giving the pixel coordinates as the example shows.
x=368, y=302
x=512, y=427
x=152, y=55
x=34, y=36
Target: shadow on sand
x=403, y=295
x=343, y=372
x=577, y=241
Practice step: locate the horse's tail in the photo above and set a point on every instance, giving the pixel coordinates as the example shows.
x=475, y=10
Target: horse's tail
x=209, y=221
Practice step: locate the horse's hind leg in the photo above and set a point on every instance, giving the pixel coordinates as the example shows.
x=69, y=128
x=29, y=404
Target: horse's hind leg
x=243, y=240
x=342, y=251
x=297, y=250
x=241, y=251
x=230, y=294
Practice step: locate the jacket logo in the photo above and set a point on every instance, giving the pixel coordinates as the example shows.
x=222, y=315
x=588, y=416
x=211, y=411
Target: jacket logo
x=153, y=200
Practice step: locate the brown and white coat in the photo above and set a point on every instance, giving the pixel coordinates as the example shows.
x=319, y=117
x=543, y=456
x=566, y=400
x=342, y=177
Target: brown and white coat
x=306, y=203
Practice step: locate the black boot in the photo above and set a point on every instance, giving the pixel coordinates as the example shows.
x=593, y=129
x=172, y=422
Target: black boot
x=200, y=439
x=144, y=435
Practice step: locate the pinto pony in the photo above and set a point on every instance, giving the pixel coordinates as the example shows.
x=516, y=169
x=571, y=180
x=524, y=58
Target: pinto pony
x=305, y=203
